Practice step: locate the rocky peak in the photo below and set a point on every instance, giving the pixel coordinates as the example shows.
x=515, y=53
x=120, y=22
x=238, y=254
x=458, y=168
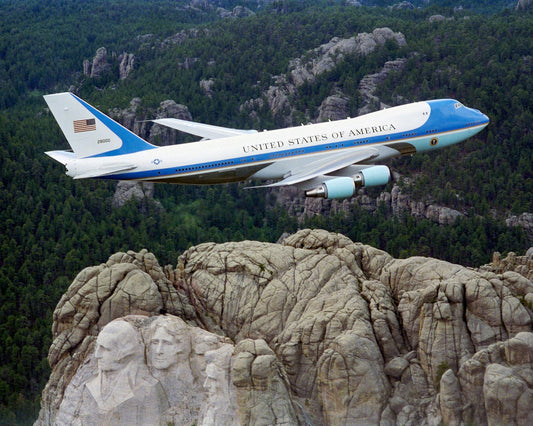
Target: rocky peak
x=101, y=64
x=237, y=12
x=126, y=63
x=324, y=58
x=369, y=84
x=316, y=330
x=334, y=107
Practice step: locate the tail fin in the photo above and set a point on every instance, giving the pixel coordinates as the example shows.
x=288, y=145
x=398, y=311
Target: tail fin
x=89, y=132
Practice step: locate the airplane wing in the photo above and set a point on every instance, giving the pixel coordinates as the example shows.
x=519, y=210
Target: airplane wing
x=206, y=131
x=324, y=166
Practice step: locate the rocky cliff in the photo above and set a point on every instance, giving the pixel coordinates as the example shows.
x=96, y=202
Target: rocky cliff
x=317, y=330
x=307, y=68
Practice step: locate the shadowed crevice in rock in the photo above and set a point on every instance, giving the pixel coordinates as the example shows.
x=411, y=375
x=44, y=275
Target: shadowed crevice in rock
x=316, y=330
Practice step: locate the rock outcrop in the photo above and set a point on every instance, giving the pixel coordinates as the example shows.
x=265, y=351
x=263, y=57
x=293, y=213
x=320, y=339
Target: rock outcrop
x=315, y=330
x=525, y=220
x=395, y=201
x=137, y=119
x=523, y=4
x=126, y=63
x=334, y=107
x=98, y=66
x=317, y=62
x=102, y=64
x=522, y=265
x=237, y=12
x=369, y=84
x=130, y=190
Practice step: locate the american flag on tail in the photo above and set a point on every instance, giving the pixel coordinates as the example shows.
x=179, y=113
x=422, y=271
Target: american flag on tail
x=87, y=125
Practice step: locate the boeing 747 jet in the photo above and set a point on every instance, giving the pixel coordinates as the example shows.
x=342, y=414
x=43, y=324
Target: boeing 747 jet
x=330, y=159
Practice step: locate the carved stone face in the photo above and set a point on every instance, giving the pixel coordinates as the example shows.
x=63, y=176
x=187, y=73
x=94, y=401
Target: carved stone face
x=107, y=353
x=116, y=344
x=166, y=350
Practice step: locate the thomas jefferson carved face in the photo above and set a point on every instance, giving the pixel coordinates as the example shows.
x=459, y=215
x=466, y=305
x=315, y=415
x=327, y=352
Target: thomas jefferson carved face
x=168, y=349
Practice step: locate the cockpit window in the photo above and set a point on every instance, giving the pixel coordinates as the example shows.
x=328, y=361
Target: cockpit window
x=458, y=105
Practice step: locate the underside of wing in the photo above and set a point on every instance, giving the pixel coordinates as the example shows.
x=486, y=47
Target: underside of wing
x=325, y=166
x=206, y=131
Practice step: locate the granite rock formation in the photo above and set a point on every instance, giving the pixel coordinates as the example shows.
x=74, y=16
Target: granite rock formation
x=127, y=190
x=525, y=220
x=334, y=107
x=237, y=12
x=314, y=330
x=126, y=64
x=395, y=201
x=137, y=119
x=318, y=61
x=99, y=64
x=369, y=84
x=102, y=64
x=523, y=4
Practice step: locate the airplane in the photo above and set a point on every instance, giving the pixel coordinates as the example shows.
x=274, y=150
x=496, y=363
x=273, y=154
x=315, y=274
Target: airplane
x=331, y=159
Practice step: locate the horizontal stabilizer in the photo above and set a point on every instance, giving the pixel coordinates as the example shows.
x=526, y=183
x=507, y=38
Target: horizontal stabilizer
x=62, y=157
x=105, y=170
x=206, y=131
x=324, y=166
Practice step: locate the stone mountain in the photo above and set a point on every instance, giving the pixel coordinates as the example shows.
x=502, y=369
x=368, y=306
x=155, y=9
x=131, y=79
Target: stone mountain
x=316, y=330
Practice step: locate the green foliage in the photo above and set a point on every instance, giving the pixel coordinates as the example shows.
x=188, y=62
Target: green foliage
x=51, y=226
x=441, y=369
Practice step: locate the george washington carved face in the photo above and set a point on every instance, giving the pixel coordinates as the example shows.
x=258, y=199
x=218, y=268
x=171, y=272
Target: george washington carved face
x=116, y=344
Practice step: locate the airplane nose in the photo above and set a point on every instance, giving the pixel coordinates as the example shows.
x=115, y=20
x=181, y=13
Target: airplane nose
x=484, y=119
x=479, y=117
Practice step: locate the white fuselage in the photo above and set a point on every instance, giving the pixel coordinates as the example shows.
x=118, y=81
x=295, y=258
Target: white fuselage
x=276, y=154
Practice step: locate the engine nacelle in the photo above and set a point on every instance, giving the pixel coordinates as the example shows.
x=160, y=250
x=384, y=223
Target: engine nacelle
x=341, y=187
x=373, y=176
x=345, y=187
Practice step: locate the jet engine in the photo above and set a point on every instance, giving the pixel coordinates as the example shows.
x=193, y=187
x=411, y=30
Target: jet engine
x=344, y=187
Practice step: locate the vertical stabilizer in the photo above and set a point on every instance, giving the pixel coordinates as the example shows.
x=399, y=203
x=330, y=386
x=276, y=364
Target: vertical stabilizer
x=89, y=132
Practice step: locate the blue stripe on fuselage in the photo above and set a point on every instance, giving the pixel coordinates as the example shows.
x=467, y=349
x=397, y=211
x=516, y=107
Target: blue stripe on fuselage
x=444, y=117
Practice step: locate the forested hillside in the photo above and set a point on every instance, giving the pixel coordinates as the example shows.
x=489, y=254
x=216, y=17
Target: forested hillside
x=51, y=226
